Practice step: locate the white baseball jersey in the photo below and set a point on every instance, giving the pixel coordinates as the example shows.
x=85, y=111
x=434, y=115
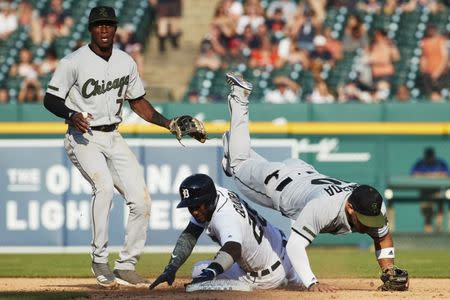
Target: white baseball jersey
x=233, y=220
x=315, y=201
x=89, y=83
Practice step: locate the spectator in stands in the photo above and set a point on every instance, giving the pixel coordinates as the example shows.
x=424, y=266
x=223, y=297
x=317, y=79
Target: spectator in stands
x=319, y=9
x=320, y=55
x=352, y=92
x=234, y=56
x=128, y=42
x=249, y=39
x=224, y=20
x=234, y=9
x=266, y=55
x=306, y=27
x=333, y=45
x=217, y=39
x=25, y=67
x=434, y=63
x=275, y=24
x=169, y=14
x=290, y=52
x=288, y=8
x=321, y=93
x=63, y=16
x=389, y=7
x=30, y=19
x=402, y=94
x=431, y=167
x=431, y=5
x=253, y=16
x=355, y=35
x=381, y=92
x=49, y=63
x=53, y=28
x=4, y=95
x=208, y=58
x=382, y=54
x=369, y=6
x=8, y=20
x=286, y=91
x=295, y=55
x=30, y=92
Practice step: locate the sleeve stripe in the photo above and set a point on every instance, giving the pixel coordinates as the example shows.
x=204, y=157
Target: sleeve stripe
x=309, y=231
x=296, y=231
x=53, y=87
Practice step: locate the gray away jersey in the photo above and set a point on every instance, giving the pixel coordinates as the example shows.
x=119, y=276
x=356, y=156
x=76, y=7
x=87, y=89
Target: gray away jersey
x=233, y=220
x=315, y=201
x=88, y=83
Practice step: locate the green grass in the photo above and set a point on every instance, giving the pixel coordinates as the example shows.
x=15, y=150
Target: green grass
x=325, y=262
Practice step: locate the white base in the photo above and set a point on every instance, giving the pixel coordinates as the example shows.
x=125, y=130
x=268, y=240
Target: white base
x=219, y=285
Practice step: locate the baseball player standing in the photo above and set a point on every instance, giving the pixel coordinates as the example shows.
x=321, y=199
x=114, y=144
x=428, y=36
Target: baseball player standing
x=252, y=250
x=88, y=90
x=315, y=202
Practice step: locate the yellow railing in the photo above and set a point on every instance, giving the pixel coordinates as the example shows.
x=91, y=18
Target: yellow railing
x=350, y=128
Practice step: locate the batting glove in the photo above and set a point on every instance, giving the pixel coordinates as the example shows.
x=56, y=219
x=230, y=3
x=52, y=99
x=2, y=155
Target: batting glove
x=206, y=275
x=167, y=276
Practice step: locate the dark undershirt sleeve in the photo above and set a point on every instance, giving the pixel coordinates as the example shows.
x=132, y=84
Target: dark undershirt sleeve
x=56, y=105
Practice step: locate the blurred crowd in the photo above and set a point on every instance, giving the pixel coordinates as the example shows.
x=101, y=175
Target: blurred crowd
x=44, y=28
x=256, y=34
x=287, y=32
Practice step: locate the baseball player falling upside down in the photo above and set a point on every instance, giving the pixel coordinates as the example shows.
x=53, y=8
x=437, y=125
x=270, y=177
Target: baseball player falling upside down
x=252, y=250
x=315, y=202
x=88, y=90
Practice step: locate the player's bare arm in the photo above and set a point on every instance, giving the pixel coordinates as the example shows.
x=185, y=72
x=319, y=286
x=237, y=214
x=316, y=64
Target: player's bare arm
x=146, y=111
x=183, y=249
x=394, y=279
x=381, y=244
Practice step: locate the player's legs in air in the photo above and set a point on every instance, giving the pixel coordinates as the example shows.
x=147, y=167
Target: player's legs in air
x=248, y=168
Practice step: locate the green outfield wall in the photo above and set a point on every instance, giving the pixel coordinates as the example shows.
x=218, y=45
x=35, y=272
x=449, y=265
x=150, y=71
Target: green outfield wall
x=357, y=142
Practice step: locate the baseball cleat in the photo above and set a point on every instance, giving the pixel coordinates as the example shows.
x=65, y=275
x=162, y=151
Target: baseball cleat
x=130, y=278
x=237, y=79
x=103, y=275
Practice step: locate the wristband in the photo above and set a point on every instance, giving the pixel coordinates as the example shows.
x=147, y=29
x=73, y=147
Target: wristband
x=385, y=253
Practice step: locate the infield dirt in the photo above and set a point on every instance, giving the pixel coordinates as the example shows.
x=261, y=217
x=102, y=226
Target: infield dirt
x=350, y=289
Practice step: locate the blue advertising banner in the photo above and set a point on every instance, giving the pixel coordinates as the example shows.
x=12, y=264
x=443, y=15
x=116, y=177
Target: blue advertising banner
x=46, y=202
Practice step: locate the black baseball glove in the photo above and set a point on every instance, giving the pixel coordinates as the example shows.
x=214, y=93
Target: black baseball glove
x=394, y=279
x=187, y=125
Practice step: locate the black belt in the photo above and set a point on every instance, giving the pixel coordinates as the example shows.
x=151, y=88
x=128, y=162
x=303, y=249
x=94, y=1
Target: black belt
x=105, y=128
x=268, y=270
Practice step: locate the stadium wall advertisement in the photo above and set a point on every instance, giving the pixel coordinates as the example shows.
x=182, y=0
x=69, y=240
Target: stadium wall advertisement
x=46, y=202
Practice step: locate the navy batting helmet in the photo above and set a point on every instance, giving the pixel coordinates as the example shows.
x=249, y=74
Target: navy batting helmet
x=197, y=189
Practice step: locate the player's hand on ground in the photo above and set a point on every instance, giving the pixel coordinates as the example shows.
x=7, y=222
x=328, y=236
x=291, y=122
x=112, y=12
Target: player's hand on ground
x=167, y=276
x=322, y=287
x=206, y=275
x=81, y=121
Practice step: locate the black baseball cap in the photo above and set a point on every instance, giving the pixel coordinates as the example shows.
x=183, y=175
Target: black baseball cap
x=102, y=14
x=366, y=202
